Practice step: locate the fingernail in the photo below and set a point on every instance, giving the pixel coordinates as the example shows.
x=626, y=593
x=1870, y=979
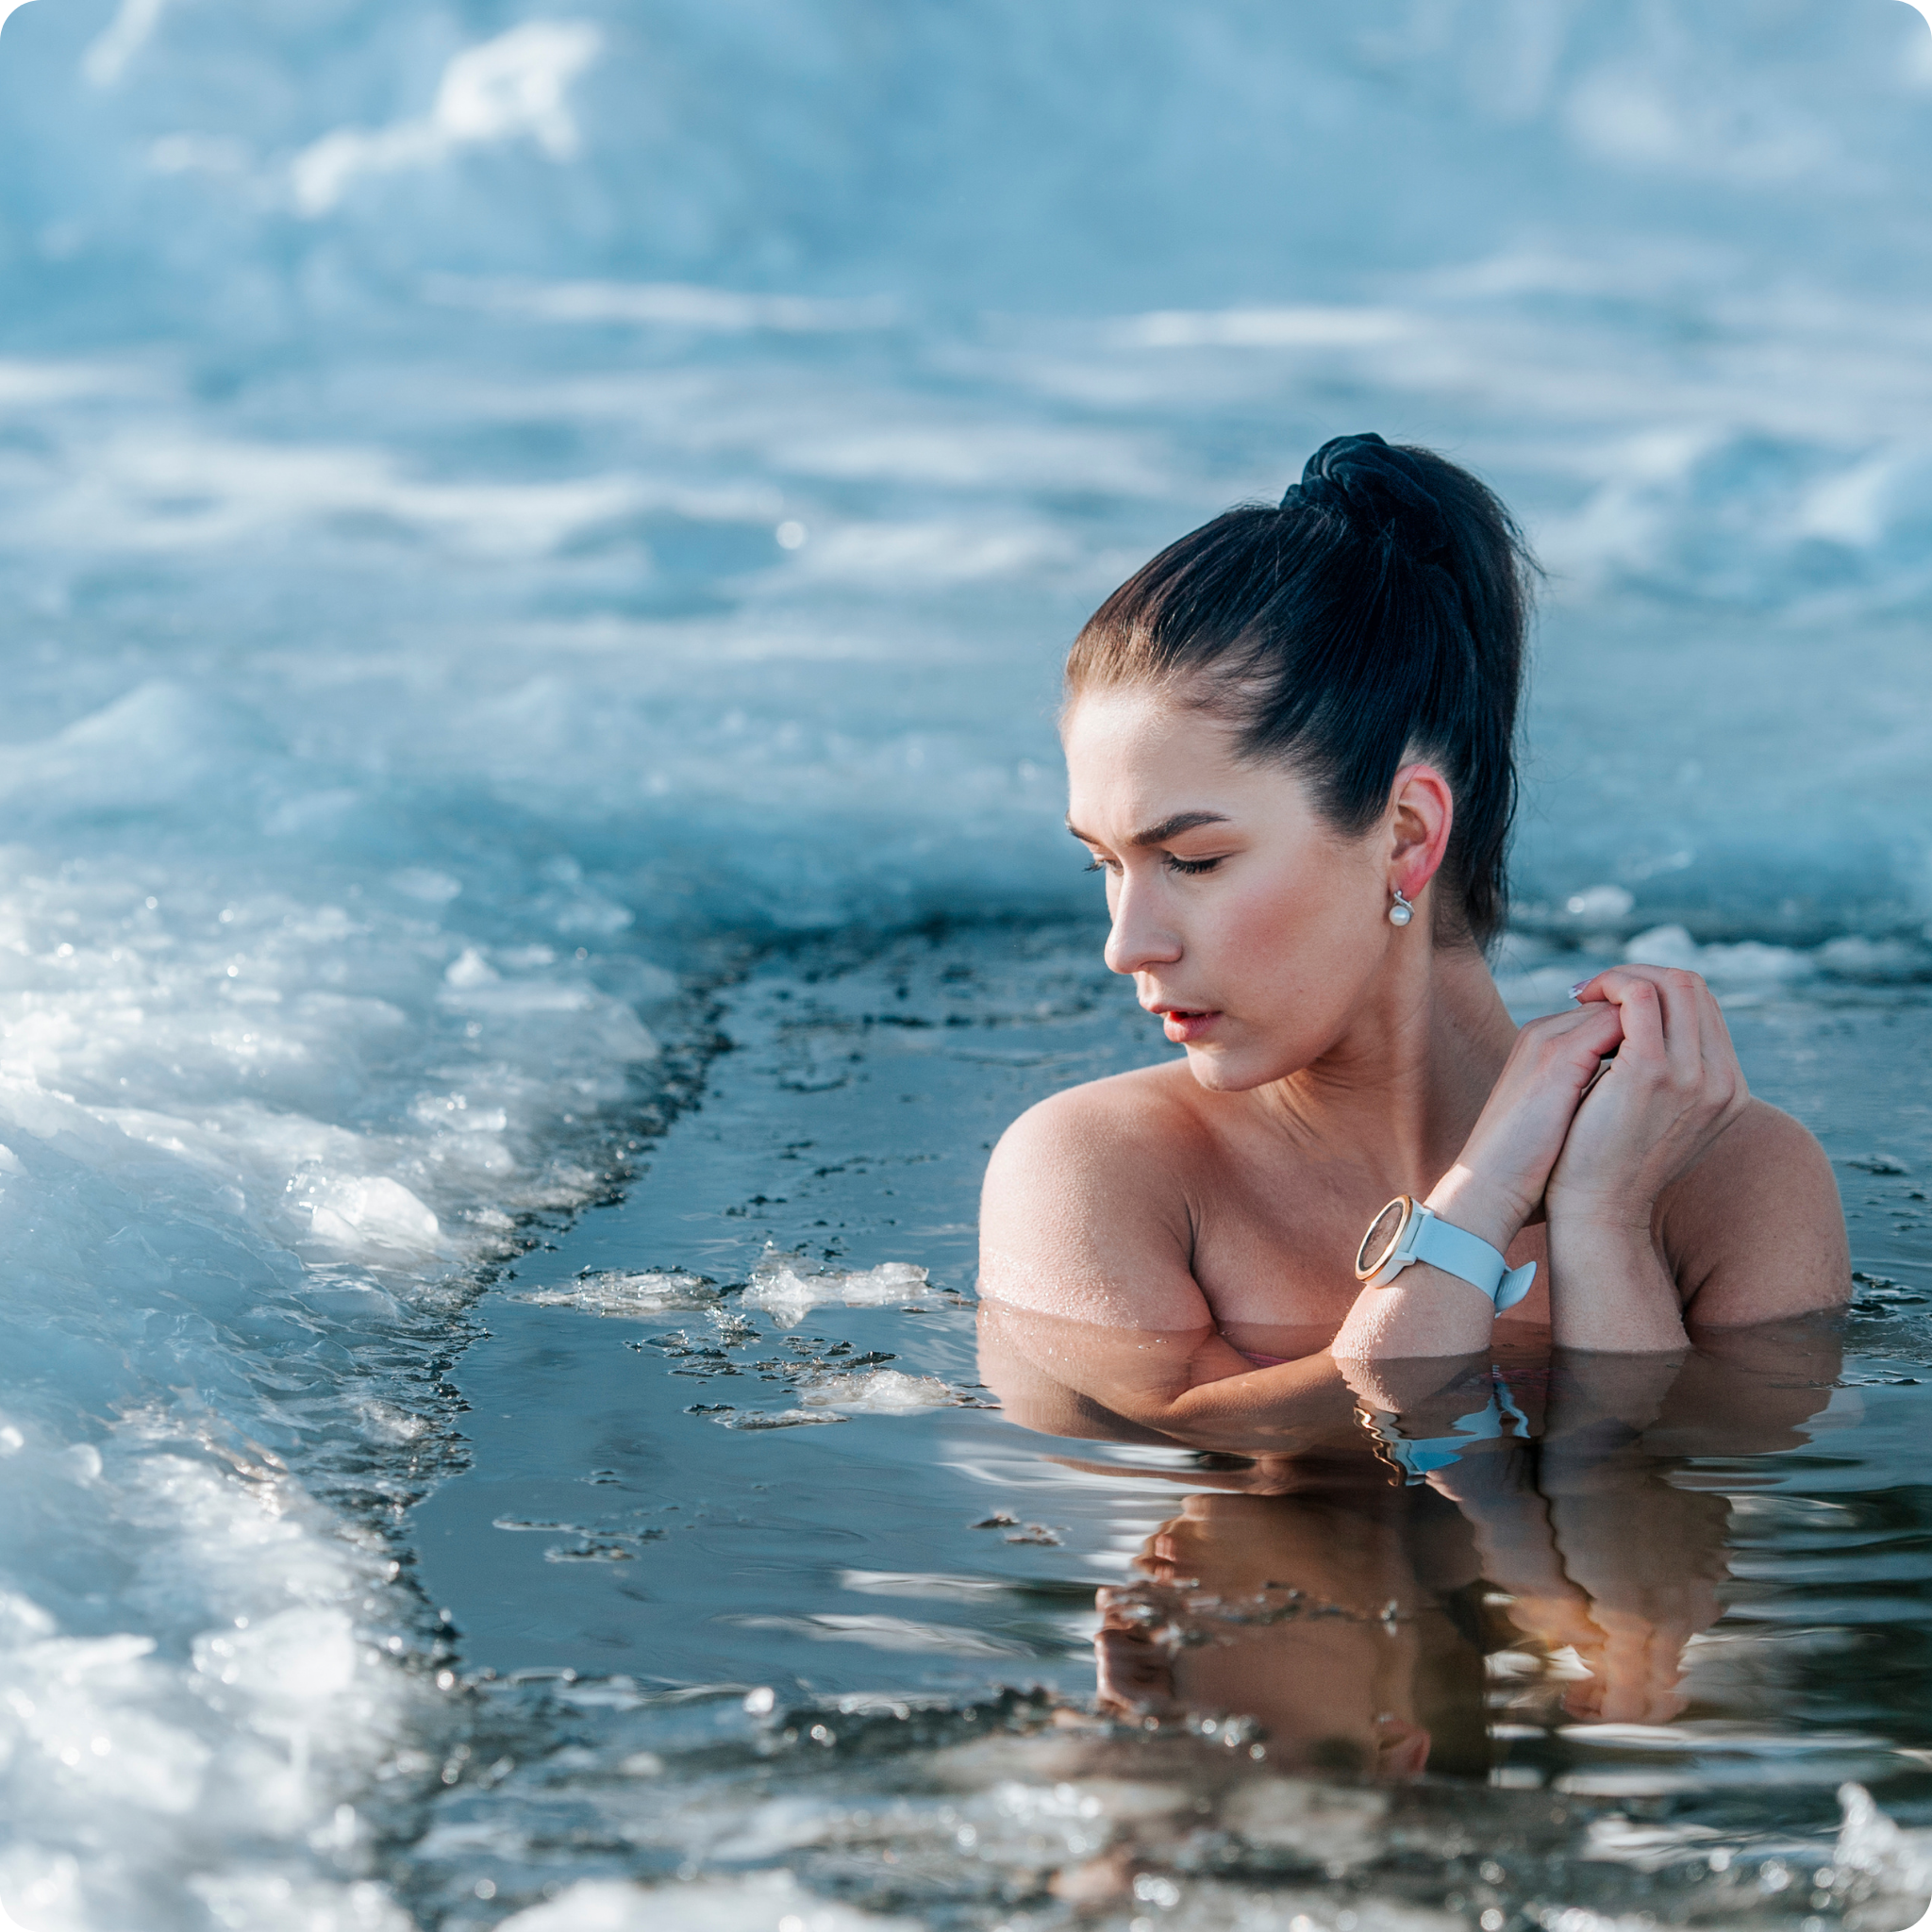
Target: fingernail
x=1578, y=988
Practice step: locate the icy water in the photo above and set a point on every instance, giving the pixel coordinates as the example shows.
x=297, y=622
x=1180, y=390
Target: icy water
x=511, y=520
x=749, y=1576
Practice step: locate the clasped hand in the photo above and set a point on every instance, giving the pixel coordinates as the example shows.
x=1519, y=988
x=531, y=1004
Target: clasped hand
x=1597, y=1152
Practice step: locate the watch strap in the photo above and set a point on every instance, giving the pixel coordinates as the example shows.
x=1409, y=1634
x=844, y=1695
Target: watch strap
x=1417, y=1458
x=1468, y=1257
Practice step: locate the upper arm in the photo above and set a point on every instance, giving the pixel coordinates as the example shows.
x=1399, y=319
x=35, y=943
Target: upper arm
x=1758, y=1233
x=1086, y=1279
x=1084, y=1214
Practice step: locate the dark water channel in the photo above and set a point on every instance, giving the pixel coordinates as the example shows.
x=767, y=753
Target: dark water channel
x=773, y=1610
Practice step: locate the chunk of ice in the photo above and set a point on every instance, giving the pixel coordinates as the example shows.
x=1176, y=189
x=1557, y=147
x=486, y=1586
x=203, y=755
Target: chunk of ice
x=1751, y=963
x=758, y=1904
x=632, y=1296
x=787, y=1289
x=884, y=1391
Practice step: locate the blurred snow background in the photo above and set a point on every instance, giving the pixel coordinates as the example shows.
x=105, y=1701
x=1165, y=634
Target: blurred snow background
x=495, y=495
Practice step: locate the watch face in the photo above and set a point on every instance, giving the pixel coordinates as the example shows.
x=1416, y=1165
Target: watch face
x=1379, y=1243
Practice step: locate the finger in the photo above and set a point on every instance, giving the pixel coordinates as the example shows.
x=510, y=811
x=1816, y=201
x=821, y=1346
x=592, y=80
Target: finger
x=1681, y=995
x=1700, y=1057
x=1720, y=1064
x=1638, y=1002
x=1618, y=986
x=1588, y=991
x=1570, y=1047
x=1578, y=1027
x=1601, y=986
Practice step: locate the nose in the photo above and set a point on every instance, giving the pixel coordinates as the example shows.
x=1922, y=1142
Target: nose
x=1142, y=936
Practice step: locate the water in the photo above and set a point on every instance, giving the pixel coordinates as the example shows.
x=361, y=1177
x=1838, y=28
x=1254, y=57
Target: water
x=506, y=515
x=749, y=1573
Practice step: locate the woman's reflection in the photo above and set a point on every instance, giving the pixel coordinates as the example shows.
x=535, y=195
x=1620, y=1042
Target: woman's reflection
x=1383, y=1563
x=1305, y=1612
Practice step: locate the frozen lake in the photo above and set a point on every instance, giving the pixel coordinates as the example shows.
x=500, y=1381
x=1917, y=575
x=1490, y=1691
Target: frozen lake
x=513, y=520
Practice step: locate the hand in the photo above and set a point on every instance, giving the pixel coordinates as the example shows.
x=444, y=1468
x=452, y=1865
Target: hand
x=1649, y=1557
x=1505, y=1165
x=1674, y=1085
x=1135, y=1672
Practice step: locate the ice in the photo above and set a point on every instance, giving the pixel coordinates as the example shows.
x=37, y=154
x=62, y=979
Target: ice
x=107, y=58
x=1335, y=1827
x=761, y=1903
x=1597, y=906
x=245, y=1900
x=252, y=1127
x=1881, y=961
x=1875, y=1848
x=677, y=304
x=883, y=1392
x=515, y=86
x=1749, y=963
x=638, y=1297
x=726, y=1418
x=788, y=1287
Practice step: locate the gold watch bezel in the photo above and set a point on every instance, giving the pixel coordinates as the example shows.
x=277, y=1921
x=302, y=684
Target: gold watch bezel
x=1366, y=1269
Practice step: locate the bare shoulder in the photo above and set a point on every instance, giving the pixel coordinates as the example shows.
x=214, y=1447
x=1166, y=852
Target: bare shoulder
x=1084, y=1210
x=1148, y=1109
x=1756, y=1230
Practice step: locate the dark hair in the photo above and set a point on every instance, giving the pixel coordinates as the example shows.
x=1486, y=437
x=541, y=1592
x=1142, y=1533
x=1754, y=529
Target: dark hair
x=1378, y=613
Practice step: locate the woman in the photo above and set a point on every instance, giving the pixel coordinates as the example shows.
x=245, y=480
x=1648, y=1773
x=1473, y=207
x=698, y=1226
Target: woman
x=1290, y=741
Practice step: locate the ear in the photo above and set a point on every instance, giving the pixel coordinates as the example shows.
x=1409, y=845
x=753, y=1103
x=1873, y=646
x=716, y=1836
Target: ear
x=1135, y=1676
x=1401, y=1751
x=1421, y=811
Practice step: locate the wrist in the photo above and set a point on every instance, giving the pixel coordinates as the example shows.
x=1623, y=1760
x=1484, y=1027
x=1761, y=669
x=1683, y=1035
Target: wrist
x=1465, y=1199
x=1602, y=1219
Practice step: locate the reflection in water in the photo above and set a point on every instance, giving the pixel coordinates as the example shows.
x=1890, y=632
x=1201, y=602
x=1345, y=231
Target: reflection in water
x=1308, y=1612
x=1388, y=1568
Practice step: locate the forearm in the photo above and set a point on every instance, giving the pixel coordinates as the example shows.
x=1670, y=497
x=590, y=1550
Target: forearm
x=1509, y=1519
x=1610, y=1288
x=1421, y=1312
x=1425, y=1311
x=1284, y=1409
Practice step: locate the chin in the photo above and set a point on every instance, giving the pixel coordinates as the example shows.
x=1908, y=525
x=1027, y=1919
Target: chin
x=1221, y=1071
x=1250, y=1055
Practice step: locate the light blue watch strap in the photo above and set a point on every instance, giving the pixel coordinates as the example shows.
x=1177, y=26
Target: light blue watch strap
x=1418, y=1459
x=1471, y=1259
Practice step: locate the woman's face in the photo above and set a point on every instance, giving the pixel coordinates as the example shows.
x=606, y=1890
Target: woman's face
x=1249, y=924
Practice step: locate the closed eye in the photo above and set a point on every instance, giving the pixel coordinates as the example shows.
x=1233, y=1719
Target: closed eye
x=1189, y=867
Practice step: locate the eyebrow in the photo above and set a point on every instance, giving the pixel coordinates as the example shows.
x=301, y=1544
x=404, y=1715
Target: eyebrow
x=1168, y=827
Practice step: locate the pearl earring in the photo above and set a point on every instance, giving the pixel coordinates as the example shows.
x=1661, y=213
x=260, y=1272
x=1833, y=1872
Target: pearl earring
x=1401, y=912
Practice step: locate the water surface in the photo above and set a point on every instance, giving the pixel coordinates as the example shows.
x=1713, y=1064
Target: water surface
x=752, y=1580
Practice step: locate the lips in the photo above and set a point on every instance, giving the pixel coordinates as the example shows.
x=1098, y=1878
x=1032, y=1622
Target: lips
x=1184, y=1026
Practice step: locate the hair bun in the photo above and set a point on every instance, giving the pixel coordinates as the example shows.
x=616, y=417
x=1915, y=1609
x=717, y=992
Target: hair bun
x=1381, y=489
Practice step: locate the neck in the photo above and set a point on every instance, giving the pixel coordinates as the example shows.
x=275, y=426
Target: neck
x=1405, y=1083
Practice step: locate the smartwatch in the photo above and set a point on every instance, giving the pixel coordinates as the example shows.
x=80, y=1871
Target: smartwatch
x=1405, y=1231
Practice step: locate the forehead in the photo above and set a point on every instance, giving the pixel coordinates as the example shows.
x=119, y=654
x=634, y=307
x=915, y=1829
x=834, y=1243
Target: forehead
x=1137, y=754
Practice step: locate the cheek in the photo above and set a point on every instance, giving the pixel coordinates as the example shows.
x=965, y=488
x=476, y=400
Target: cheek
x=1297, y=933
